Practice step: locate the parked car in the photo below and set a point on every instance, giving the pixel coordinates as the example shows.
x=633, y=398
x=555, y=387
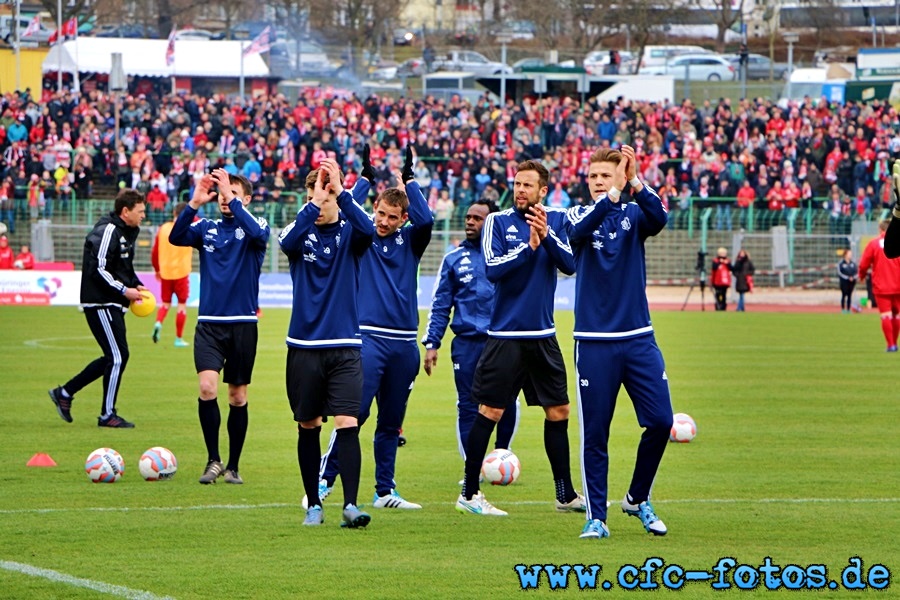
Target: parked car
x=533, y=62
x=697, y=67
x=758, y=66
x=597, y=62
x=8, y=30
x=411, y=67
x=403, y=36
x=384, y=70
x=473, y=62
x=127, y=31
x=655, y=56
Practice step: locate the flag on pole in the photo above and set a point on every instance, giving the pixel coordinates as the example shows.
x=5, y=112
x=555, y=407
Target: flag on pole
x=170, y=48
x=69, y=29
x=33, y=27
x=260, y=43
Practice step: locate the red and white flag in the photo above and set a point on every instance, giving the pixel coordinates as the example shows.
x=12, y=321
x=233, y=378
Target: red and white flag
x=170, y=49
x=260, y=43
x=33, y=27
x=69, y=29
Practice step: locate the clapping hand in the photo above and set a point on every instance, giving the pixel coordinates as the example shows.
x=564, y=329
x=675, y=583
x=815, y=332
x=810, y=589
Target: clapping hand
x=407, y=172
x=367, y=171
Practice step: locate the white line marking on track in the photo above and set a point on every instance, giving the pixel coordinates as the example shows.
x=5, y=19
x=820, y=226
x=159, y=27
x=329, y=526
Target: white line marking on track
x=19, y=511
x=98, y=586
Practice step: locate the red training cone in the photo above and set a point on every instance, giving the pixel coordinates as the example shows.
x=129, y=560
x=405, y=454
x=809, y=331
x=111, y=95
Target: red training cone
x=41, y=460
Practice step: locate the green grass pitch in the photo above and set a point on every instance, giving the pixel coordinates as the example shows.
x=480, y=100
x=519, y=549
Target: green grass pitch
x=796, y=459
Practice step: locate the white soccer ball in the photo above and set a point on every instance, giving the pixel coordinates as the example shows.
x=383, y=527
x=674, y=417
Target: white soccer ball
x=19, y=264
x=104, y=465
x=3, y=228
x=157, y=464
x=501, y=467
x=684, y=429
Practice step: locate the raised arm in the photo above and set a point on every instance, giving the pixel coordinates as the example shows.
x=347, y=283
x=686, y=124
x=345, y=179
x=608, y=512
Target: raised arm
x=186, y=232
x=556, y=243
x=257, y=229
x=654, y=215
x=292, y=236
x=441, y=303
x=420, y=217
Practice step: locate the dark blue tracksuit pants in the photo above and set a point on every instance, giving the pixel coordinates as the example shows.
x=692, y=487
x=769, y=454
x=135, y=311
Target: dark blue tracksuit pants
x=602, y=367
x=389, y=371
x=464, y=352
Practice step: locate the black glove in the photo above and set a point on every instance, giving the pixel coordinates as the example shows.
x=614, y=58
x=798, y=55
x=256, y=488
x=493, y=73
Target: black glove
x=407, y=173
x=367, y=171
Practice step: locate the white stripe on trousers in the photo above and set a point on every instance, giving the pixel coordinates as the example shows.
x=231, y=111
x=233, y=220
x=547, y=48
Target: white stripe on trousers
x=109, y=399
x=584, y=485
x=327, y=453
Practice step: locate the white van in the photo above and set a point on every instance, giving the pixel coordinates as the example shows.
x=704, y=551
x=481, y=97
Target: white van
x=815, y=83
x=655, y=56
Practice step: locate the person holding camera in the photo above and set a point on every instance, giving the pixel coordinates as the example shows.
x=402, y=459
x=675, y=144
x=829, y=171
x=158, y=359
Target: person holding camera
x=720, y=278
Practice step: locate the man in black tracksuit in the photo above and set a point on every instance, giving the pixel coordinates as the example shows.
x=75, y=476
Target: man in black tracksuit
x=108, y=286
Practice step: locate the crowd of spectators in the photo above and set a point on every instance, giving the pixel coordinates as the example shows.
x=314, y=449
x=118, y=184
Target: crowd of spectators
x=833, y=157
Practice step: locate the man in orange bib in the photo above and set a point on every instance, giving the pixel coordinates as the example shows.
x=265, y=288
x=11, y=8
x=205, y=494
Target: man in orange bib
x=173, y=268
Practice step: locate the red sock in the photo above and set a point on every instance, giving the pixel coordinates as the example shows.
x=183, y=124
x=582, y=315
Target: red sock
x=896, y=332
x=161, y=314
x=180, y=318
x=887, y=327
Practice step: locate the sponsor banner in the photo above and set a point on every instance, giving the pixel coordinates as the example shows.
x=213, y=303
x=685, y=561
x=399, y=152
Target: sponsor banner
x=61, y=288
x=24, y=298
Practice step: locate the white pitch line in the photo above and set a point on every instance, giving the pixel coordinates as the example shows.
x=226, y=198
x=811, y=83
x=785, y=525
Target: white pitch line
x=97, y=586
x=123, y=509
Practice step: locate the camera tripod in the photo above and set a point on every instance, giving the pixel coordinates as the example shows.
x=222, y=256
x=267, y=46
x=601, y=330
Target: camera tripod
x=700, y=280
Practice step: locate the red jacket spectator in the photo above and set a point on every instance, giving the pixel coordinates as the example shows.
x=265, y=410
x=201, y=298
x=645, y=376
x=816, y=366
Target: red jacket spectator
x=26, y=258
x=157, y=199
x=6, y=253
x=746, y=195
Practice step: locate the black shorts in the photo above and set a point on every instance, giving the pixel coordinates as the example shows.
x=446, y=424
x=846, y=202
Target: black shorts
x=231, y=346
x=535, y=366
x=324, y=382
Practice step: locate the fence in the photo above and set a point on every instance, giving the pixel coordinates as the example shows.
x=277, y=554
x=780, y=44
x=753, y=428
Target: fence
x=782, y=256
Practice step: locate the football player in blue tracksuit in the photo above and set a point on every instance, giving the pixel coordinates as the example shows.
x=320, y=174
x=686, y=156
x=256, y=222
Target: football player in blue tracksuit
x=325, y=245
x=462, y=286
x=523, y=247
x=232, y=250
x=615, y=344
x=389, y=323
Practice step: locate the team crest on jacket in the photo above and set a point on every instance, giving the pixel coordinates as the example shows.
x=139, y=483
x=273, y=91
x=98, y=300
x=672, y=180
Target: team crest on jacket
x=467, y=278
x=399, y=240
x=626, y=224
x=239, y=233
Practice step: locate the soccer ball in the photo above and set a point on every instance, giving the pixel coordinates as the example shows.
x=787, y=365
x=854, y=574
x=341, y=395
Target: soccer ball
x=19, y=264
x=501, y=467
x=104, y=465
x=158, y=463
x=145, y=305
x=683, y=428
